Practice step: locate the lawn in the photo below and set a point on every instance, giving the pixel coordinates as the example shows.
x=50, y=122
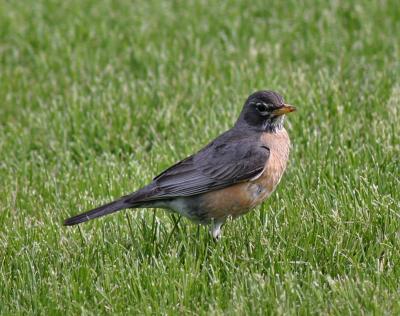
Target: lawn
x=97, y=97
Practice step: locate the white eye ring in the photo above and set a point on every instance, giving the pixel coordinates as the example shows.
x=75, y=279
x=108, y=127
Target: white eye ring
x=262, y=107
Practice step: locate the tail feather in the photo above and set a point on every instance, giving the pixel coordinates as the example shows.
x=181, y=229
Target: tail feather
x=98, y=212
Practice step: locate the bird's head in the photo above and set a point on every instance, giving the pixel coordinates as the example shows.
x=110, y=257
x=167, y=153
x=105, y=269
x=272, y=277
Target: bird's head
x=264, y=110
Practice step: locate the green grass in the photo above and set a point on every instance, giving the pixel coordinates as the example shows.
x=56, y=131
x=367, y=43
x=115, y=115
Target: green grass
x=97, y=97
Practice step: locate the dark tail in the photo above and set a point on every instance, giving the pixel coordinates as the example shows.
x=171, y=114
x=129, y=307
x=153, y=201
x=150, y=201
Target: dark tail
x=98, y=212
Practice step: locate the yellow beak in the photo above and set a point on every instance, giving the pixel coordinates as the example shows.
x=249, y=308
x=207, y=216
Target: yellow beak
x=284, y=109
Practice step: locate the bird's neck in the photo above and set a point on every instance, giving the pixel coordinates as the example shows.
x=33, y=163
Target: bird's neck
x=270, y=125
x=273, y=125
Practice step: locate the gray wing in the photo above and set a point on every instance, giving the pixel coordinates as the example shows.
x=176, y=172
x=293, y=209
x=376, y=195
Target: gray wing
x=217, y=166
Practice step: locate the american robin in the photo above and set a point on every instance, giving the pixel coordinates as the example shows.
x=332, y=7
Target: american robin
x=231, y=175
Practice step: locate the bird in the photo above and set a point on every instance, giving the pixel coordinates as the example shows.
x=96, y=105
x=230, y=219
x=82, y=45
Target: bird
x=227, y=178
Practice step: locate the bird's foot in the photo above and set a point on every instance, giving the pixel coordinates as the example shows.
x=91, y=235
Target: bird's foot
x=215, y=229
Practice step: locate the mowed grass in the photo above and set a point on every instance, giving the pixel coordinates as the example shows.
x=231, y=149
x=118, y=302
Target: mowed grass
x=97, y=97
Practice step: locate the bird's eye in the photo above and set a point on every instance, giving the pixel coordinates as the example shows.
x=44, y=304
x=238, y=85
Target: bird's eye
x=262, y=107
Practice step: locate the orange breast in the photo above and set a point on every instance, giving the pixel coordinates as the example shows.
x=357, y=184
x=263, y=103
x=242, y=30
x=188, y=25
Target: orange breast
x=240, y=198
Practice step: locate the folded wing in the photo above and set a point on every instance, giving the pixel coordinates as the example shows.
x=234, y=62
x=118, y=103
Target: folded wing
x=217, y=166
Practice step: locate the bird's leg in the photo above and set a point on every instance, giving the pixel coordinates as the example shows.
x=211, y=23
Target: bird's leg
x=215, y=228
